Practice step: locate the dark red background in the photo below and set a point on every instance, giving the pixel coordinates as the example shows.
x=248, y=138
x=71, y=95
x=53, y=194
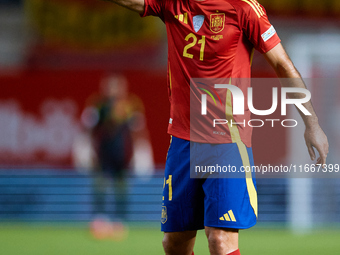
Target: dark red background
x=31, y=87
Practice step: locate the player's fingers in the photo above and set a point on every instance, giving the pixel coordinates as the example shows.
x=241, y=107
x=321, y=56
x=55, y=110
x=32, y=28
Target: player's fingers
x=323, y=157
x=311, y=151
x=323, y=151
x=319, y=161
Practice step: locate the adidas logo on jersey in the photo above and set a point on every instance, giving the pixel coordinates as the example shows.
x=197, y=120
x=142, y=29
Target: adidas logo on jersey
x=255, y=6
x=182, y=17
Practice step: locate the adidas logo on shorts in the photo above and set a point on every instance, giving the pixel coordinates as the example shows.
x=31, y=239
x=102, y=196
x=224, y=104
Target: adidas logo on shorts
x=229, y=216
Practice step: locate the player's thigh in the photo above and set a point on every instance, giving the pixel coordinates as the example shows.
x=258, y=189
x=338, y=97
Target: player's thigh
x=231, y=202
x=183, y=197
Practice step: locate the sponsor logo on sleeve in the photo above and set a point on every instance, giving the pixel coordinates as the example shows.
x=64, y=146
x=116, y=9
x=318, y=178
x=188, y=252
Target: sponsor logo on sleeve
x=268, y=34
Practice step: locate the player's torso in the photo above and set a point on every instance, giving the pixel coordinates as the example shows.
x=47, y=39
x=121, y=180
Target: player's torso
x=205, y=40
x=203, y=35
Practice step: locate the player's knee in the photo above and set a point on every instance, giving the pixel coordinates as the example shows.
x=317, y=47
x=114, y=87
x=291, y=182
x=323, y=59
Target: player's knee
x=179, y=243
x=225, y=240
x=168, y=244
x=215, y=240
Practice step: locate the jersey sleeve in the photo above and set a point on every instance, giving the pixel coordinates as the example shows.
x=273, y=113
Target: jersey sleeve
x=256, y=26
x=154, y=8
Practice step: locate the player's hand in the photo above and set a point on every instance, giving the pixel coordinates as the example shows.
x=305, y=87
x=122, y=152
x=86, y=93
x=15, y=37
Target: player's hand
x=316, y=138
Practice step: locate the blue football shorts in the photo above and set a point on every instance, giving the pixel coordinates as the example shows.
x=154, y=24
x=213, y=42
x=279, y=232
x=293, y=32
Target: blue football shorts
x=193, y=203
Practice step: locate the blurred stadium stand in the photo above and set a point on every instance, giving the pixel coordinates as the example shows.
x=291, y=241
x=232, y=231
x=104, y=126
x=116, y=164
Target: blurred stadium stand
x=13, y=38
x=10, y=2
x=47, y=195
x=63, y=196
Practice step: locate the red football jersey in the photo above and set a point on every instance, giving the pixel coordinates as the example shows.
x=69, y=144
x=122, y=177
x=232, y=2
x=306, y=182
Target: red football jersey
x=210, y=39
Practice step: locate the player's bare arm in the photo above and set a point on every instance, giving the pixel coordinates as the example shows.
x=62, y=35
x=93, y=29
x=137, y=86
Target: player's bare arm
x=314, y=135
x=134, y=5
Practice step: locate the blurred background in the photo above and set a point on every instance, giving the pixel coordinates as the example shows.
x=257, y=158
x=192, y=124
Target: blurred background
x=76, y=73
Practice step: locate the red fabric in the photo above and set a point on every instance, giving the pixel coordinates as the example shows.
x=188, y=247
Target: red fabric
x=237, y=252
x=219, y=49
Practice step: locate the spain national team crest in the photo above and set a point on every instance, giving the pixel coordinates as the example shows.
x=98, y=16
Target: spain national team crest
x=217, y=22
x=164, y=215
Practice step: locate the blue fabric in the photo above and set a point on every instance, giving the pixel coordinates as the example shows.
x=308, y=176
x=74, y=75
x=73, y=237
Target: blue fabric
x=199, y=202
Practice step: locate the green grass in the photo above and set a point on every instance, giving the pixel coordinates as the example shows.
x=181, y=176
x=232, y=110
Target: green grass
x=35, y=240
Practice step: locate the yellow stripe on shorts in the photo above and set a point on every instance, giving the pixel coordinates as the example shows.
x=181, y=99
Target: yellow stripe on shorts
x=168, y=148
x=236, y=138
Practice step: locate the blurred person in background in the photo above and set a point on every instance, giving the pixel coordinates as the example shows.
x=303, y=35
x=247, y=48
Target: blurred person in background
x=117, y=140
